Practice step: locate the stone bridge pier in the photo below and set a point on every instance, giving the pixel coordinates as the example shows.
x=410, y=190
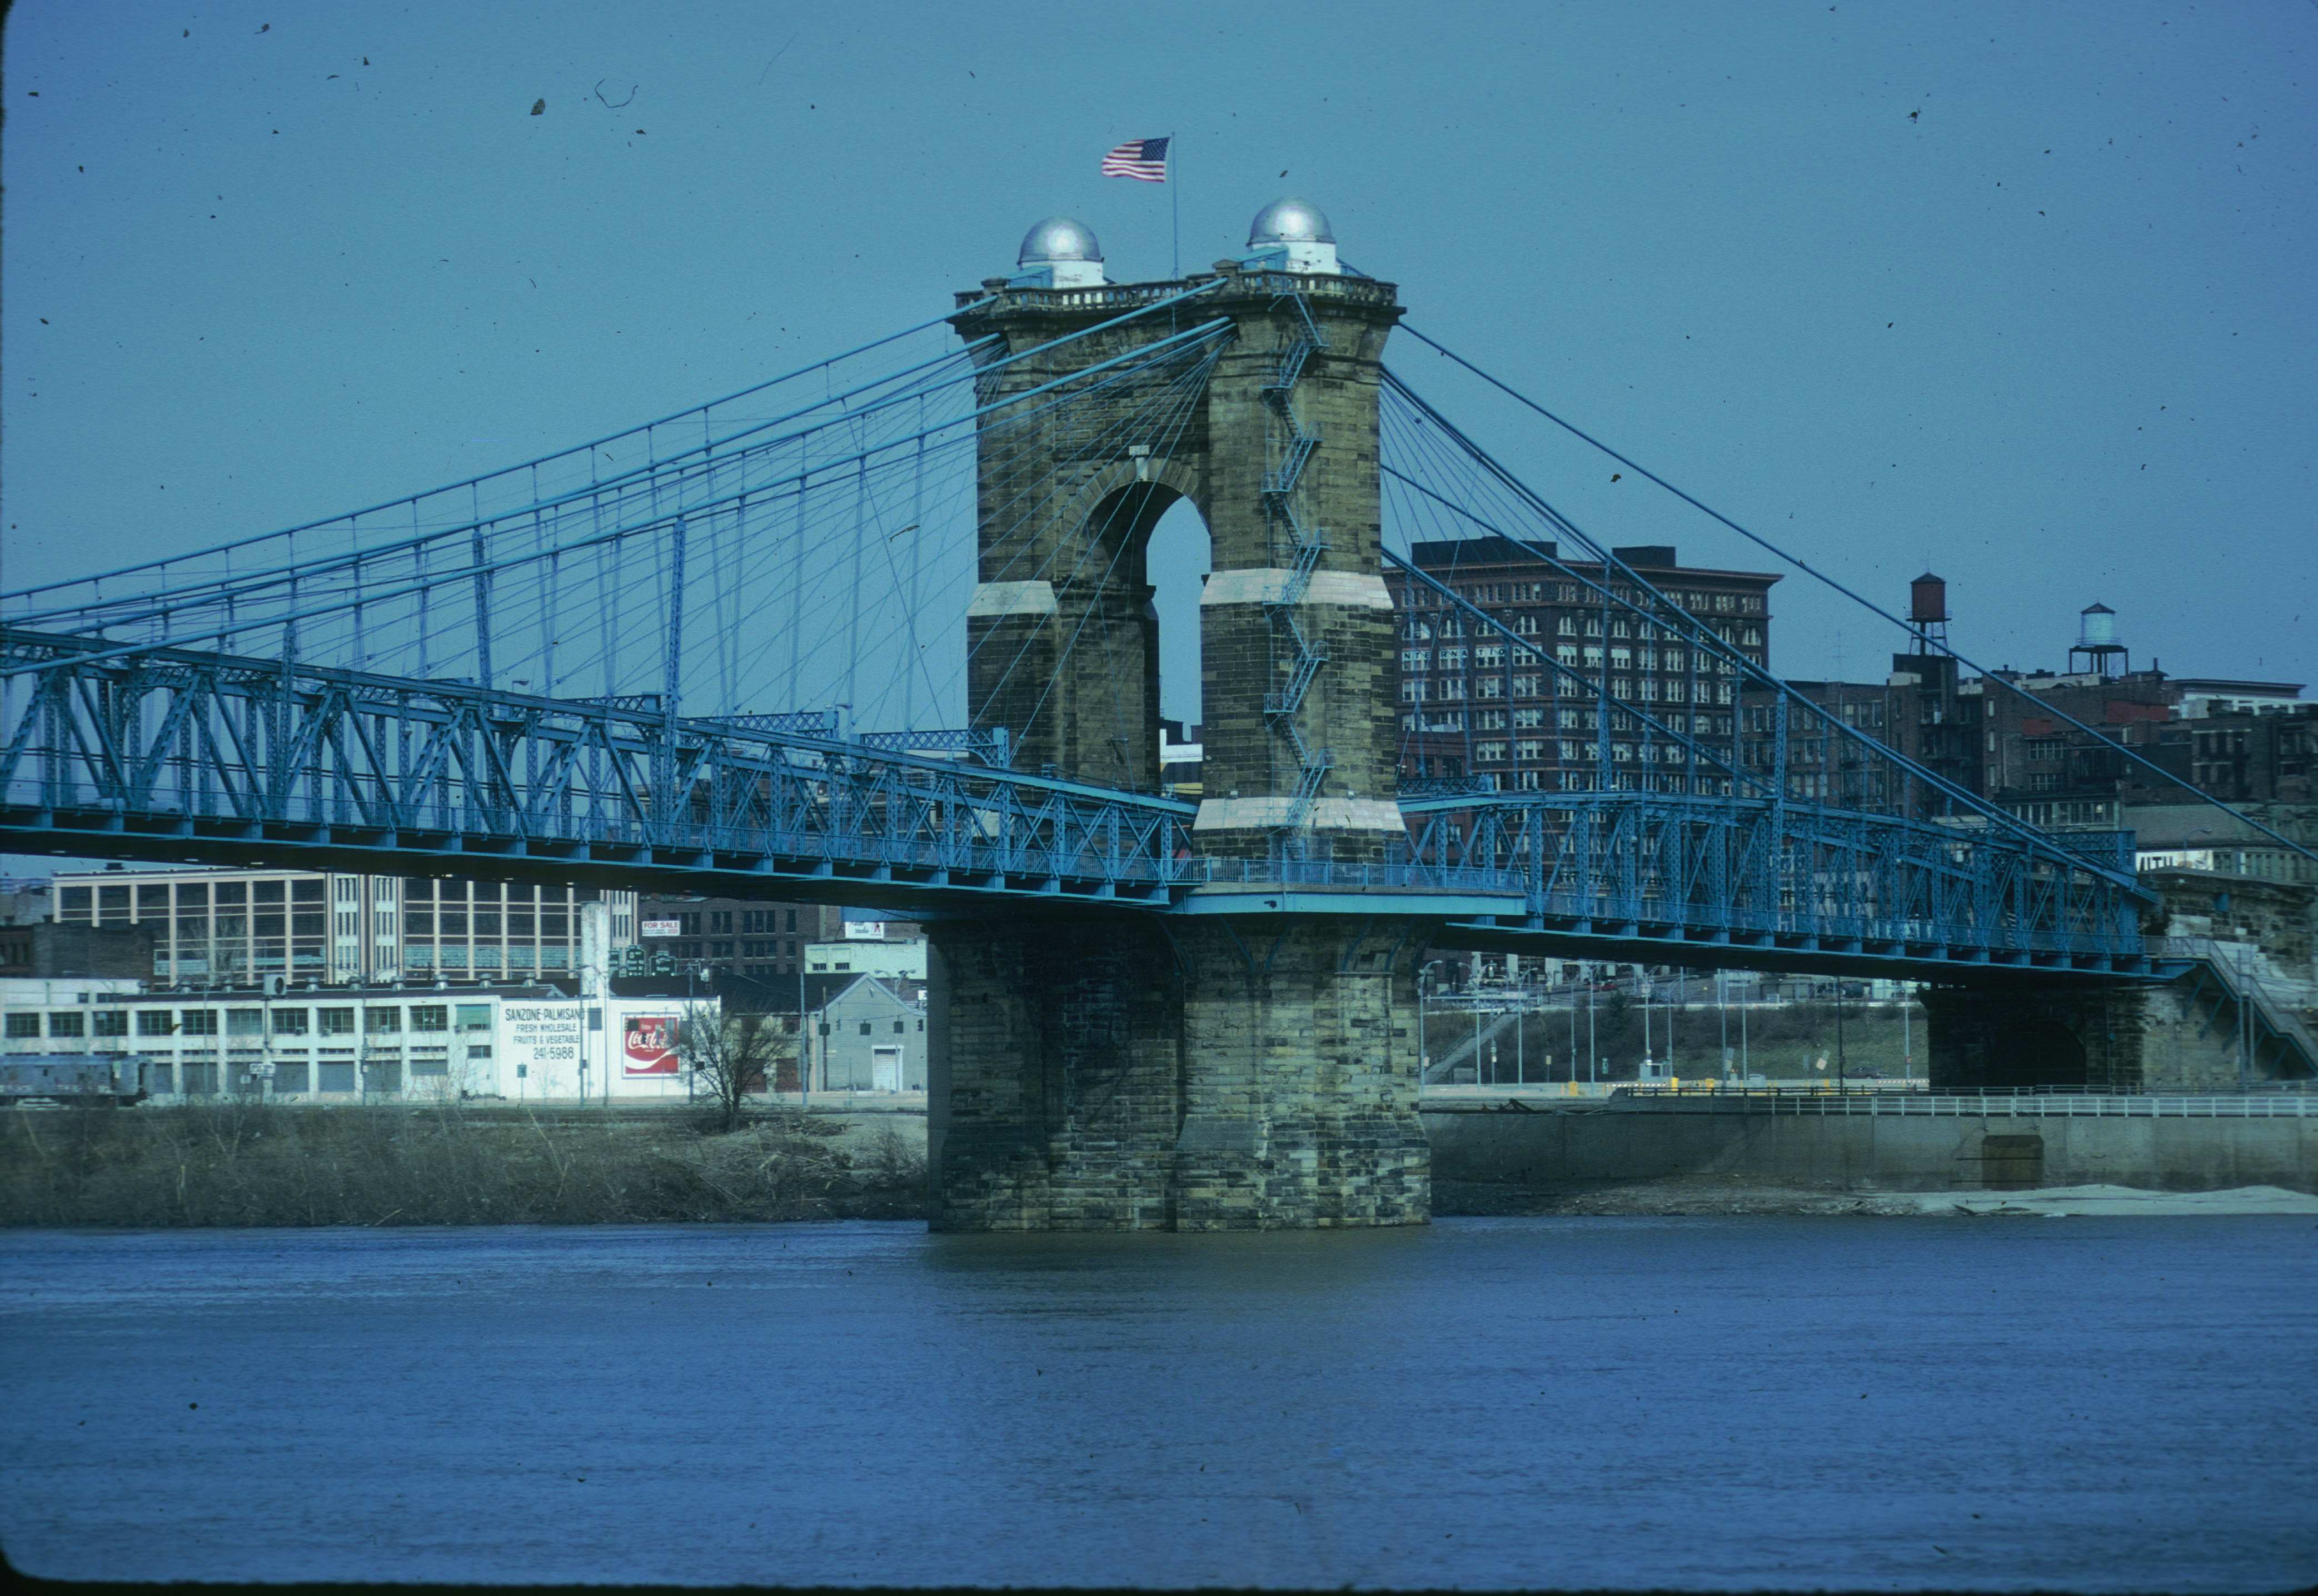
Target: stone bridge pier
x=1191, y=1070
x=1202, y=1076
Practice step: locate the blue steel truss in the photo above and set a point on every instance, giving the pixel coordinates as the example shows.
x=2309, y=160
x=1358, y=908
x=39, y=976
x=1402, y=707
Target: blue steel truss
x=182, y=754
x=1751, y=881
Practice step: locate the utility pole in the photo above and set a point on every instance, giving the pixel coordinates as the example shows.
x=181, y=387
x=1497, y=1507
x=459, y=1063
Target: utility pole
x=1673, y=1016
x=1839, y=1066
x=1590, y=1065
x=1723, y=1014
x=1572, y=1037
x=2245, y=1019
x=1907, y=1032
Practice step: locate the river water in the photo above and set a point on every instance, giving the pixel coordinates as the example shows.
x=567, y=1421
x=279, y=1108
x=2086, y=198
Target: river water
x=1702, y=1403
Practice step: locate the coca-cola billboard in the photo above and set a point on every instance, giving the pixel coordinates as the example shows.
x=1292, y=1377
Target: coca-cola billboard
x=649, y=1046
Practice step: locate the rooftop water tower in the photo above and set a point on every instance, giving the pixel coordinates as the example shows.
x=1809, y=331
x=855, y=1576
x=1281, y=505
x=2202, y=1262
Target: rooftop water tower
x=1927, y=613
x=2098, y=645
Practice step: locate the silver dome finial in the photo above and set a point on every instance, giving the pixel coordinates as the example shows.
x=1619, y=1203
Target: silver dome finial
x=1058, y=239
x=1059, y=253
x=1295, y=235
x=1289, y=221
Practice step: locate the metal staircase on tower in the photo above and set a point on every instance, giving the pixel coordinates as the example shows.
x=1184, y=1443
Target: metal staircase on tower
x=1296, y=660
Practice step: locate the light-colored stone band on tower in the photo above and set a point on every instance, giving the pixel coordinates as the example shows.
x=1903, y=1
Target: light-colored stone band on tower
x=1327, y=814
x=1269, y=584
x=1012, y=598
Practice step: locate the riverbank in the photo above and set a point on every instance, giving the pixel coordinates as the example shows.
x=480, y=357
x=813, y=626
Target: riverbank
x=236, y=1163
x=1726, y=1195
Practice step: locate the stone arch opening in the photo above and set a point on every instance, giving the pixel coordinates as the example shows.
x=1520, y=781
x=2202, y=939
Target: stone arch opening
x=1177, y=558
x=1109, y=686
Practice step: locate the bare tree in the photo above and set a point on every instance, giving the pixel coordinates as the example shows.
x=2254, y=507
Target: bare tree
x=729, y=1059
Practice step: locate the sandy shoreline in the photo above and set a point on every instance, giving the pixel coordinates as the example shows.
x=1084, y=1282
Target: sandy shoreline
x=1453, y=1198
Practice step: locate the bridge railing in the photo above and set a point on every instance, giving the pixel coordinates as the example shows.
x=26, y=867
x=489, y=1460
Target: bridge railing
x=1975, y=1105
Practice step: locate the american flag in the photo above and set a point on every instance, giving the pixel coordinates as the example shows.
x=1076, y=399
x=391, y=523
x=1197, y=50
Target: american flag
x=1142, y=159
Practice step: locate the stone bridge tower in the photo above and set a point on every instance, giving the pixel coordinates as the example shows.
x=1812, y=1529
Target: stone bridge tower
x=1213, y=1071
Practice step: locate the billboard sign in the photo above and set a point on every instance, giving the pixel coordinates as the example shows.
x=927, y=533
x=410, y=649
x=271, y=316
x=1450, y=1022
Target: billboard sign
x=663, y=927
x=649, y=1048
x=544, y=1042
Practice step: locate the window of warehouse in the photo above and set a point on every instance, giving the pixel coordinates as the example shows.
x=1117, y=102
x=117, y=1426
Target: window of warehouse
x=382, y=1022
x=289, y=1022
x=474, y=1016
x=66, y=1024
x=24, y=1025
x=430, y=1016
x=197, y=1022
x=244, y=1022
x=111, y=1022
x=336, y=1022
x=154, y=1022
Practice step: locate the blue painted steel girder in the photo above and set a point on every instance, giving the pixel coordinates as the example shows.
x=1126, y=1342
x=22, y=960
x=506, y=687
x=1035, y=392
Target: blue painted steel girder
x=1786, y=879
x=184, y=754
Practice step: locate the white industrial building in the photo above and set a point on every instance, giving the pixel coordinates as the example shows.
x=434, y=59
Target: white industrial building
x=354, y=1044
x=890, y=960
x=240, y=927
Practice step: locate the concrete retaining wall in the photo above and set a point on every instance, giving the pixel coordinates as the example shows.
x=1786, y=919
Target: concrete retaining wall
x=1871, y=1153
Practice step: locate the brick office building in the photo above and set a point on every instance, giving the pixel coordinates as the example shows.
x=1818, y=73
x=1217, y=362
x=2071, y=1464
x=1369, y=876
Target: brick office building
x=1473, y=704
x=761, y=941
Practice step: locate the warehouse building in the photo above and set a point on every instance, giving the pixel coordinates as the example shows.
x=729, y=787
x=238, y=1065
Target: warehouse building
x=363, y=1045
x=870, y=1034
x=238, y=928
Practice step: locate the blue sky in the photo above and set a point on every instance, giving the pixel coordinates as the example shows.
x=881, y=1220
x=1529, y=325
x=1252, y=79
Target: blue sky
x=2022, y=294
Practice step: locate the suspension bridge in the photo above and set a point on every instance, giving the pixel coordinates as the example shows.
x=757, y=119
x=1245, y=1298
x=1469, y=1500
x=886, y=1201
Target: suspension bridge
x=880, y=629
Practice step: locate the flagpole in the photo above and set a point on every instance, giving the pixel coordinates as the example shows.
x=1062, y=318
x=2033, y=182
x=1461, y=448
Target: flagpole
x=1175, y=202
